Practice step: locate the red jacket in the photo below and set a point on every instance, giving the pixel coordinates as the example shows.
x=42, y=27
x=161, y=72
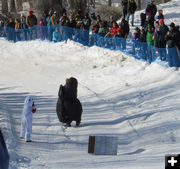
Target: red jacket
x=116, y=31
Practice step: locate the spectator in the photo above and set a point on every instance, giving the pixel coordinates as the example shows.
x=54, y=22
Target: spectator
x=111, y=21
x=116, y=31
x=142, y=36
x=31, y=19
x=2, y=33
x=68, y=30
x=136, y=34
x=56, y=35
x=160, y=15
x=131, y=10
x=124, y=25
x=149, y=40
x=45, y=20
x=102, y=29
x=86, y=26
x=10, y=29
x=143, y=19
x=151, y=11
x=31, y=22
x=78, y=31
x=178, y=43
x=52, y=23
x=172, y=41
x=135, y=37
x=176, y=34
x=93, y=18
x=143, y=44
x=124, y=4
x=125, y=28
x=86, y=22
x=17, y=29
x=98, y=19
x=147, y=22
x=41, y=30
x=155, y=35
x=24, y=27
x=161, y=32
x=53, y=20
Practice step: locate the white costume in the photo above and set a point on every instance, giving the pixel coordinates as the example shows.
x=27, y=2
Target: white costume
x=26, y=118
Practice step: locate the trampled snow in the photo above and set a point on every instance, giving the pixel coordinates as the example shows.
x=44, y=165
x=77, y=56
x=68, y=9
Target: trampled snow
x=121, y=96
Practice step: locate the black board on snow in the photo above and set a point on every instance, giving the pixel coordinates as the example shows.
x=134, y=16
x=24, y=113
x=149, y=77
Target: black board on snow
x=103, y=145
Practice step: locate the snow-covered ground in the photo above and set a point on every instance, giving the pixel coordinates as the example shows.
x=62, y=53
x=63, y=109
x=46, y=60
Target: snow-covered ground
x=123, y=97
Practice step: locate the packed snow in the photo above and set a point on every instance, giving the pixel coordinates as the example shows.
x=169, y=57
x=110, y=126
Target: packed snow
x=121, y=96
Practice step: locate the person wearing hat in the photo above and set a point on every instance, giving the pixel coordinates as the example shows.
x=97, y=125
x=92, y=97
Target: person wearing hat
x=176, y=34
x=31, y=22
x=53, y=21
x=161, y=33
x=52, y=24
x=172, y=41
x=68, y=107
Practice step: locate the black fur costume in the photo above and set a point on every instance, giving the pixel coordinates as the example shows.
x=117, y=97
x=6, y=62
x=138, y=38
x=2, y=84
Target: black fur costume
x=68, y=106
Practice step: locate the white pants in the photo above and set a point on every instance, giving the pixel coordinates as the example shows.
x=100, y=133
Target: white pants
x=26, y=129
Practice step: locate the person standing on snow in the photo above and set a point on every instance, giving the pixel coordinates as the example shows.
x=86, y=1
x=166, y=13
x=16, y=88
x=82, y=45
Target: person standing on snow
x=68, y=106
x=131, y=10
x=31, y=22
x=151, y=11
x=161, y=33
x=27, y=118
x=124, y=4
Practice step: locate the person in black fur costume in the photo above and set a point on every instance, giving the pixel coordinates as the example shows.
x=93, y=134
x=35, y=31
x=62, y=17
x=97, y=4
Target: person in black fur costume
x=68, y=106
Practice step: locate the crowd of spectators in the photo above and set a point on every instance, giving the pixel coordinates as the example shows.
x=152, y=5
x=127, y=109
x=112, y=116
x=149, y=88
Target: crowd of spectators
x=152, y=33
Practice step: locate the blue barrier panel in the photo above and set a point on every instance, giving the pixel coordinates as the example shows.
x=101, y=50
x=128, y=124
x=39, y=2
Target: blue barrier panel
x=139, y=50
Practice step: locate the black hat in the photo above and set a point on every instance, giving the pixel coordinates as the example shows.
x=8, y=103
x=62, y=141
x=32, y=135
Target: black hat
x=172, y=25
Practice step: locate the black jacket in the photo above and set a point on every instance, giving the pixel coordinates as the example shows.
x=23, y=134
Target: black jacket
x=4, y=157
x=151, y=8
x=124, y=4
x=125, y=27
x=132, y=7
x=172, y=38
x=142, y=37
x=68, y=106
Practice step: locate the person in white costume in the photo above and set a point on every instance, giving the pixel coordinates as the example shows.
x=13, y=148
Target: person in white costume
x=26, y=119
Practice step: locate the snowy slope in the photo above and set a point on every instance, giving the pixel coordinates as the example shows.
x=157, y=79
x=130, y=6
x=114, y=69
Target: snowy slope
x=121, y=97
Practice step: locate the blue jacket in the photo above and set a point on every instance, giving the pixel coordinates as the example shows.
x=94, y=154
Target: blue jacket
x=56, y=36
